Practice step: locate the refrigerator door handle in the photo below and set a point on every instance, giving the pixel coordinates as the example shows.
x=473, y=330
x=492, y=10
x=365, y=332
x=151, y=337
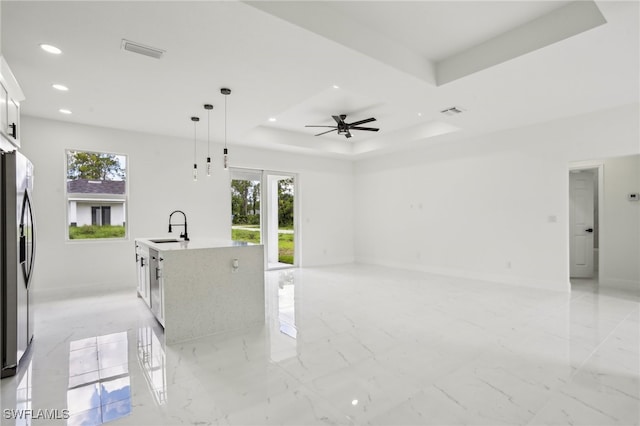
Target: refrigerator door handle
x=23, y=248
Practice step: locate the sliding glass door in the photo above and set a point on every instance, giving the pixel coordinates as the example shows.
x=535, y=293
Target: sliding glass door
x=264, y=211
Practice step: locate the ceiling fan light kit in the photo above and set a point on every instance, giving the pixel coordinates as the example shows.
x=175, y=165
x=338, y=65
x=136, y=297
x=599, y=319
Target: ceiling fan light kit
x=344, y=128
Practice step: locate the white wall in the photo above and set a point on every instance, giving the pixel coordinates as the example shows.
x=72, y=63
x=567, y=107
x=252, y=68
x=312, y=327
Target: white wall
x=620, y=224
x=160, y=181
x=493, y=207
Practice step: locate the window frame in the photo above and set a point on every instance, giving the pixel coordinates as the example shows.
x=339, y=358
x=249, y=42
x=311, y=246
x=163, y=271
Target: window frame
x=96, y=203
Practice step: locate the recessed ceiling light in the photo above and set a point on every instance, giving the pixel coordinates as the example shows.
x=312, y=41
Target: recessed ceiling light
x=60, y=87
x=272, y=119
x=51, y=49
x=64, y=111
x=335, y=86
x=419, y=114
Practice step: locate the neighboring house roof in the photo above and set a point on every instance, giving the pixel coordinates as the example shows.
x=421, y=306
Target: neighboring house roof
x=86, y=186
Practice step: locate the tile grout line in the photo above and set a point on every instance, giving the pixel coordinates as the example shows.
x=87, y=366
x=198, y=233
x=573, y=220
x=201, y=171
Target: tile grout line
x=579, y=368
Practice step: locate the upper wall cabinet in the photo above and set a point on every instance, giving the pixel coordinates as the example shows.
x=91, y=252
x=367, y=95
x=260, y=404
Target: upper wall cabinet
x=10, y=97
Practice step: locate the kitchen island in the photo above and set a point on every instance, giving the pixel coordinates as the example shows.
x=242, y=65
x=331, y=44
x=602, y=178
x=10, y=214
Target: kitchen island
x=201, y=287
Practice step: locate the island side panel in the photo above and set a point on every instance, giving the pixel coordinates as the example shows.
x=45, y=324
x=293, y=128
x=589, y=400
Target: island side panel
x=203, y=296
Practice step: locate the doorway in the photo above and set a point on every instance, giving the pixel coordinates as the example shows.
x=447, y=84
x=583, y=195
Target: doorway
x=585, y=187
x=264, y=211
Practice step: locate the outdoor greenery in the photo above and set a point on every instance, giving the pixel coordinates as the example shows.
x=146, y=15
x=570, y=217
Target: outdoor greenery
x=94, y=166
x=285, y=242
x=245, y=210
x=245, y=202
x=100, y=167
x=285, y=203
x=285, y=248
x=93, y=231
x=247, y=236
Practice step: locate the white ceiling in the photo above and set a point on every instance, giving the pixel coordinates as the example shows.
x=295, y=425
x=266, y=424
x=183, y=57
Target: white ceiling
x=282, y=59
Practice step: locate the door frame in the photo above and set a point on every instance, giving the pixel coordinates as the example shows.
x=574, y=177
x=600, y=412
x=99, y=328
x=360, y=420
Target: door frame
x=597, y=165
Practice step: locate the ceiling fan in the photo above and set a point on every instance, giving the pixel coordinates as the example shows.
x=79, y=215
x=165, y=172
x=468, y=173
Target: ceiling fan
x=344, y=128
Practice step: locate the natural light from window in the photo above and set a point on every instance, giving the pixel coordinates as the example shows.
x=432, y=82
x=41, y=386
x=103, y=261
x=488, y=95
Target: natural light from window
x=96, y=193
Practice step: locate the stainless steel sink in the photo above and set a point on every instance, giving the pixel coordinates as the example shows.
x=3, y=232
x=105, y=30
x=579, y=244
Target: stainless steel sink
x=165, y=240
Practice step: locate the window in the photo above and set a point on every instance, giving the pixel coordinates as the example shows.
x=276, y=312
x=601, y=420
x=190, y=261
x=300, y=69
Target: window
x=96, y=194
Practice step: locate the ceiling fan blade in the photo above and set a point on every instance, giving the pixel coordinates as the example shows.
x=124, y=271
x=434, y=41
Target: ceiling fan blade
x=371, y=129
x=338, y=119
x=309, y=125
x=328, y=131
x=356, y=123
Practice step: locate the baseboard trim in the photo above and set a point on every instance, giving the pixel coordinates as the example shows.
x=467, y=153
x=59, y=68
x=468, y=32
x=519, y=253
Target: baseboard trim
x=62, y=293
x=631, y=285
x=563, y=286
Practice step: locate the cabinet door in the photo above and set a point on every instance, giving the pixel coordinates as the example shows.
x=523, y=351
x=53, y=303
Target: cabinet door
x=13, y=118
x=141, y=261
x=161, y=291
x=4, y=108
x=147, y=282
x=143, y=279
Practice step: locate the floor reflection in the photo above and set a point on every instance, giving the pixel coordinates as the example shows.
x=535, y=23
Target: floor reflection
x=23, y=397
x=286, y=304
x=281, y=314
x=152, y=359
x=99, y=384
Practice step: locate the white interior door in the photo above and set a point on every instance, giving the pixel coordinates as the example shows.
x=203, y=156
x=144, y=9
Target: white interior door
x=581, y=223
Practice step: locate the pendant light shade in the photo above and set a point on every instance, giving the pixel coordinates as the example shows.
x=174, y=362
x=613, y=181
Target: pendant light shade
x=225, y=152
x=208, y=107
x=195, y=164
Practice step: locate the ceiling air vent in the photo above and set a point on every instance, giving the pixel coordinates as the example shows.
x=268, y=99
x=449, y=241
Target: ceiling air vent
x=452, y=111
x=134, y=47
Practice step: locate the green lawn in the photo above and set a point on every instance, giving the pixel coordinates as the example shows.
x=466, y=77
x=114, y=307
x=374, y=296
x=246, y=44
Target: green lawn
x=244, y=235
x=285, y=248
x=95, y=232
x=285, y=242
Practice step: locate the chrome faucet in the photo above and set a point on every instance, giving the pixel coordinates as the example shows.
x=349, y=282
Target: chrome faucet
x=184, y=235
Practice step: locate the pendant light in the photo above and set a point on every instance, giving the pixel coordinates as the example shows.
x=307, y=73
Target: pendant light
x=195, y=165
x=208, y=107
x=225, y=92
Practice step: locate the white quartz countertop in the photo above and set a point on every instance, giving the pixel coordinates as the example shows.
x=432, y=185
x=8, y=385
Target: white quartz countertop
x=196, y=243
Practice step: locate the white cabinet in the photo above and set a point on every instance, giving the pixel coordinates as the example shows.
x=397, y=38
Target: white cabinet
x=10, y=97
x=149, y=263
x=144, y=277
x=157, y=284
x=4, y=107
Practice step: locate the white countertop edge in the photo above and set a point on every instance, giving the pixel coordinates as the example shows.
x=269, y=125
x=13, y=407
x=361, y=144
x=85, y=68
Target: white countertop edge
x=193, y=244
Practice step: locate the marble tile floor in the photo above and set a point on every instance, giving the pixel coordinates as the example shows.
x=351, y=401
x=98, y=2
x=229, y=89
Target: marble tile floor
x=346, y=345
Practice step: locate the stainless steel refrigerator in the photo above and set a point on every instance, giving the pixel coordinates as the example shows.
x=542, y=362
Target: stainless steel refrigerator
x=17, y=254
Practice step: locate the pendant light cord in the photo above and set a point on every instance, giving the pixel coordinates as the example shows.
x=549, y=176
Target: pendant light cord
x=194, y=142
x=208, y=133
